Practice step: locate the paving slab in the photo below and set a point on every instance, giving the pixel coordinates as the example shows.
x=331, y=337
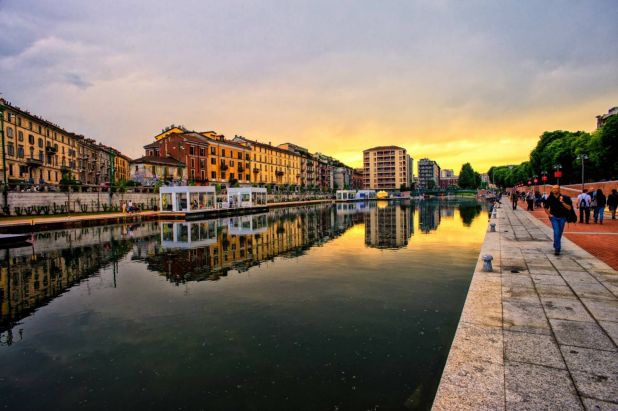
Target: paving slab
x=534, y=387
x=540, y=332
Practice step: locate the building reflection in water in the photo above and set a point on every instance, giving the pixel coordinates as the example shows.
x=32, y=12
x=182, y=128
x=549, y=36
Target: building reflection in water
x=429, y=216
x=389, y=226
x=32, y=276
x=208, y=250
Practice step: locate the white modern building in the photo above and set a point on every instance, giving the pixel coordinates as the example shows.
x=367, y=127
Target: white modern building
x=187, y=199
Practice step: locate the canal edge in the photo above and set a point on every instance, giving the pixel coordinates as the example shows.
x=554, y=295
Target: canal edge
x=473, y=376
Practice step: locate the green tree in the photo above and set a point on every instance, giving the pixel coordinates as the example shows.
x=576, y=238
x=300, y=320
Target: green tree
x=468, y=178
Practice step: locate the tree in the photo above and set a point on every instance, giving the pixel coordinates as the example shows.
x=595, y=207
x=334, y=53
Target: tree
x=468, y=178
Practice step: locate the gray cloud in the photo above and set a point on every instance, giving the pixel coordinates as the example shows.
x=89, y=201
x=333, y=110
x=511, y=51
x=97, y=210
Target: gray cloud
x=299, y=69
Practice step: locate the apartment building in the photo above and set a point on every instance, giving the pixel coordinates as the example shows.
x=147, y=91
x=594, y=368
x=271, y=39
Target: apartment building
x=307, y=170
x=208, y=156
x=272, y=164
x=36, y=150
x=428, y=174
x=386, y=168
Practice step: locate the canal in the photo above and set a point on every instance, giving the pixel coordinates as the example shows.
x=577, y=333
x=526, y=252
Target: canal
x=324, y=307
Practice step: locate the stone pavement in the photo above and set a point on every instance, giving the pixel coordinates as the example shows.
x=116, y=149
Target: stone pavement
x=600, y=240
x=539, y=332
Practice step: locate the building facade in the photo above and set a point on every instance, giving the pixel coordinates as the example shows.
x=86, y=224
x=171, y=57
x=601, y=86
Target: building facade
x=428, y=174
x=601, y=119
x=386, y=168
x=36, y=151
x=272, y=164
x=150, y=170
x=207, y=156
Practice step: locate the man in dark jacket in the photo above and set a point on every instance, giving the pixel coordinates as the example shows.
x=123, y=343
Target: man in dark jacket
x=558, y=207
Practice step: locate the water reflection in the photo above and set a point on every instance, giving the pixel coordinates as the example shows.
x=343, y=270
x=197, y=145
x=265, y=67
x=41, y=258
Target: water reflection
x=31, y=277
x=341, y=300
x=204, y=250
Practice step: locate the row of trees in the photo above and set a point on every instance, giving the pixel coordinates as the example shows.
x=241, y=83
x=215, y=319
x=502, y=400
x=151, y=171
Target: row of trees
x=566, y=149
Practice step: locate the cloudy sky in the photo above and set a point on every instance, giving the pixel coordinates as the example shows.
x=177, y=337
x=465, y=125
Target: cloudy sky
x=455, y=81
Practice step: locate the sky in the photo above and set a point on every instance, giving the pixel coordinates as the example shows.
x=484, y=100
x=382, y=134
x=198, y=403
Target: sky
x=454, y=81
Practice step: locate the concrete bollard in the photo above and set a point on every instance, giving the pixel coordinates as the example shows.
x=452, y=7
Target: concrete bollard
x=487, y=263
x=492, y=227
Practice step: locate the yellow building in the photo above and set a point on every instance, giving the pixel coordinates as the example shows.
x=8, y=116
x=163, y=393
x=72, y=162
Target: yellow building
x=272, y=165
x=37, y=151
x=121, y=166
x=170, y=130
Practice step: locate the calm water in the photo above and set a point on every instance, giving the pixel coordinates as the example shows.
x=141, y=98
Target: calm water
x=347, y=307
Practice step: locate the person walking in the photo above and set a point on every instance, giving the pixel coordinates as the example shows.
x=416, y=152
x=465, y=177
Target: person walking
x=530, y=200
x=612, y=203
x=514, y=199
x=599, y=208
x=583, y=205
x=558, y=207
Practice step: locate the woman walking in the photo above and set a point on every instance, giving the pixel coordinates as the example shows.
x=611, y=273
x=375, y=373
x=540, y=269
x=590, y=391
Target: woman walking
x=558, y=207
x=599, y=209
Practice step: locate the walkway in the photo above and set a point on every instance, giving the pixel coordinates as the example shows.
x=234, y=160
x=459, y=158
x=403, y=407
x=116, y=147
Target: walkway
x=539, y=332
x=599, y=240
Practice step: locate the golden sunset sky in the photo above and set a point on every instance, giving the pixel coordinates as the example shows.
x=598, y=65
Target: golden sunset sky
x=455, y=81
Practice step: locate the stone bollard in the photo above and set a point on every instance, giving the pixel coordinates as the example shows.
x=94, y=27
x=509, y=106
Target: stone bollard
x=492, y=227
x=487, y=263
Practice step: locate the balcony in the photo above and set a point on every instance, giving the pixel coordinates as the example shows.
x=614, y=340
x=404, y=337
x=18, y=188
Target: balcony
x=51, y=150
x=34, y=162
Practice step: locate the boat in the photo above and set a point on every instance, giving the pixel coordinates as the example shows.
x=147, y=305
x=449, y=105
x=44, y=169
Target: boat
x=382, y=195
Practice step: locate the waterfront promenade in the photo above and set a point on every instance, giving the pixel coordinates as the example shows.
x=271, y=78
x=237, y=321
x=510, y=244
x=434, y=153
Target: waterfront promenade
x=40, y=223
x=539, y=332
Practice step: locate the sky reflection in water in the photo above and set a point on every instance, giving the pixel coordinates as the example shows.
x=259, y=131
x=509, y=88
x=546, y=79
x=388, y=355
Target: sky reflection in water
x=352, y=306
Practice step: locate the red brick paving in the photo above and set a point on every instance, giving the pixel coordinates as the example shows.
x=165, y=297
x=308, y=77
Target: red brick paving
x=599, y=240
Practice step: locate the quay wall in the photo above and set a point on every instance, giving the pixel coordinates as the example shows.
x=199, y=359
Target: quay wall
x=78, y=201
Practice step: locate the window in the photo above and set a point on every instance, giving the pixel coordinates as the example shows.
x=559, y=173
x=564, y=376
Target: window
x=192, y=163
x=30, y=125
x=10, y=149
x=239, y=155
x=247, y=177
x=40, y=130
x=20, y=151
x=30, y=139
x=191, y=150
x=48, y=175
x=202, y=163
x=9, y=132
x=31, y=152
x=222, y=152
x=213, y=175
x=20, y=136
x=41, y=155
x=213, y=160
x=203, y=175
x=40, y=142
x=213, y=151
x=11, y=169
x=231, y=176
x=223, y=175
x=231, y=163
x=19, y=121
x=202, y=152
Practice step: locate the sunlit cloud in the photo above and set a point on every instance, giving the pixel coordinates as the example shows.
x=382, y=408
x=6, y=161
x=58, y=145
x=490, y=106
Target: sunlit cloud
x=454, y=81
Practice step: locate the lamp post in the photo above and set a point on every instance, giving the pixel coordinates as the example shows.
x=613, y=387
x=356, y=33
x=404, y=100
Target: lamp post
x=557, y=173
x=544, y=179
x=582, y=157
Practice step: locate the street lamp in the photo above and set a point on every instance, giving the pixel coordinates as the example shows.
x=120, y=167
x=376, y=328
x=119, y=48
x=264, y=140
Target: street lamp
x=557, y=173
x=544, y=179
x=582, y=157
